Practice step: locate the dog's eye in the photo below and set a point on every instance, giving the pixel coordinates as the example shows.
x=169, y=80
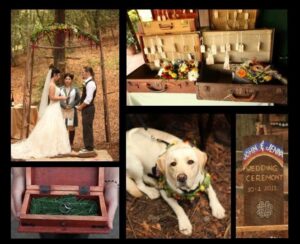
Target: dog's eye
x=190, y=161
x=173, y=164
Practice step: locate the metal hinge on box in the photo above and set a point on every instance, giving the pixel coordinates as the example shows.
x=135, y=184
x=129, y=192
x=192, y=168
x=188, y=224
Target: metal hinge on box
x=84, y=190
x=44, y=189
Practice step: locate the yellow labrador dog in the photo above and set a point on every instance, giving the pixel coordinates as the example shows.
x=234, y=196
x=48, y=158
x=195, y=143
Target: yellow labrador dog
x=181, y=165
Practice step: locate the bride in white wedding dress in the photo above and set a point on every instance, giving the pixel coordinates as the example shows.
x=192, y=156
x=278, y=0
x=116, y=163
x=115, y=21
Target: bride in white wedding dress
x=49, y=137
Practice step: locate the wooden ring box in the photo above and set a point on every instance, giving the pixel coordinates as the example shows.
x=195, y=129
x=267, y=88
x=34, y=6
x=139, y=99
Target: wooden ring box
x=87, y=183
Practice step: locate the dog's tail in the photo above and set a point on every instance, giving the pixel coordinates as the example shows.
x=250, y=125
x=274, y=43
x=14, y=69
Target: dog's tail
x=132, y=188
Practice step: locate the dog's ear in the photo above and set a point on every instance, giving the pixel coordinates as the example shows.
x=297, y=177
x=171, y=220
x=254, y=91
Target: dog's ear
x=161, y=163
x=201, y=156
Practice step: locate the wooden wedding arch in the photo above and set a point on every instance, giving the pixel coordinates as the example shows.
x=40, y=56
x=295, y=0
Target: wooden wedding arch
x=70, y=32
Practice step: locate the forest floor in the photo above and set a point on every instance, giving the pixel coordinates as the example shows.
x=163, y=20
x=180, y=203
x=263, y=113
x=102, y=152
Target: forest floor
x=147, y=218
x=83, y=57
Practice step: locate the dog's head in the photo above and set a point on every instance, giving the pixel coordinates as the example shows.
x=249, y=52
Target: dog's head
x=183, y=166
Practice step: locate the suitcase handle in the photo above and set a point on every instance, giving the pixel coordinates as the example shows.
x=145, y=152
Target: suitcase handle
x=166, y=26
x=154, y=88
x=240, y=98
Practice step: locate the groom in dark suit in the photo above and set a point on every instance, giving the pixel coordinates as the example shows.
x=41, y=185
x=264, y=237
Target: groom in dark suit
x=88, y=109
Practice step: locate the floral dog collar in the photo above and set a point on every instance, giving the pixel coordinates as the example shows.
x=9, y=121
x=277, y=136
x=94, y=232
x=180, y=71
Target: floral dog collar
x=189, y=196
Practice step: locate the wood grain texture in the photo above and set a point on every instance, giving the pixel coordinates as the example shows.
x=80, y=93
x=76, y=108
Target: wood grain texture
x=263, y=185
x=64, y=181
x=262, y=228
x=63, y=230
x=65, y=178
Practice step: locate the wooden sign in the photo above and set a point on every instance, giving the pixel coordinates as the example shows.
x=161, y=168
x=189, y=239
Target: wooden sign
x=263, y=180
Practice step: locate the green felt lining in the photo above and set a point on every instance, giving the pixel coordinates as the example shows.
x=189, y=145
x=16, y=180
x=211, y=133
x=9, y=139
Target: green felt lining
x=64, y=205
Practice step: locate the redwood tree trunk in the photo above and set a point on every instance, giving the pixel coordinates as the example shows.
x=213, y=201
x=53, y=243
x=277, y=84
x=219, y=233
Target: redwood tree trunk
x=59, y=41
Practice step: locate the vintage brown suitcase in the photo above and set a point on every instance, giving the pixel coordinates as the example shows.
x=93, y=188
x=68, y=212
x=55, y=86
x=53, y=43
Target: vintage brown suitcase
x=145, y=79
x=168, y=26
x=85, y=183
x=218, y=84
x=233, y=19
x=160, y=14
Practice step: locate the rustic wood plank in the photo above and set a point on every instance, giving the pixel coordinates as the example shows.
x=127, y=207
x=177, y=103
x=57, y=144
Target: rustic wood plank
x=102, y=205
x=63, y=223
x=101, y=178
x=263, y=181
x=262, y=228
x=28, y=177
x=62, y=230
x=56, y=178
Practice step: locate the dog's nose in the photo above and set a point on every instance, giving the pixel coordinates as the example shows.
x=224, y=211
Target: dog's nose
x=182, y=178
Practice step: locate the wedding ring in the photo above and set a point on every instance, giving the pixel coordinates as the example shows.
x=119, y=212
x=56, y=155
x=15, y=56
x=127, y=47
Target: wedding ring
x=65, y=208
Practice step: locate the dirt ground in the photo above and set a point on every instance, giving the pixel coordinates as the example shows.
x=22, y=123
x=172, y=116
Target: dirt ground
x=147, y=218
x=83, y=57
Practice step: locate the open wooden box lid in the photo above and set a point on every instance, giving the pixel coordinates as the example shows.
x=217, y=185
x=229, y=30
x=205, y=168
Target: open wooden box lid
x=65, y=178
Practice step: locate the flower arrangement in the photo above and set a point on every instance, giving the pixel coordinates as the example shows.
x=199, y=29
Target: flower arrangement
x=68, y=29
x=179, y=70
x=255, y=72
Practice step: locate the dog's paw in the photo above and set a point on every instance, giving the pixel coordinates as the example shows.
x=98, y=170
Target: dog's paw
x=152, y=193
x=185, y=226
x=218, y=211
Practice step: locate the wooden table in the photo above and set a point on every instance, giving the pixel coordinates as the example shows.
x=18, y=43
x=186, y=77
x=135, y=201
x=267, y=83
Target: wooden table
x=16, y=120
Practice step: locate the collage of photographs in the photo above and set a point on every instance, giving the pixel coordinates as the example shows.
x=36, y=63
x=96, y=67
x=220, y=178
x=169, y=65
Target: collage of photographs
x=193, y=144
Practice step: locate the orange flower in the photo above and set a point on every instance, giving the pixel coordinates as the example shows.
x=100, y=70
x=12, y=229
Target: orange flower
x=241, y=73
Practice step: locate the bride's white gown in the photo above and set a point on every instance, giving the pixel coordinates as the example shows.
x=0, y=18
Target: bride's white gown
x=48, y=138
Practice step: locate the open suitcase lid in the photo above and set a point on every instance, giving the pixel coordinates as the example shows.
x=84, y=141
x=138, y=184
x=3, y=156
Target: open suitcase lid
x=180, y=41
x=258, y=44
x=82, y=179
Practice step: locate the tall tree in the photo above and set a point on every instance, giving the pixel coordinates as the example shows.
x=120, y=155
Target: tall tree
x=104, y=87
x=59, y=41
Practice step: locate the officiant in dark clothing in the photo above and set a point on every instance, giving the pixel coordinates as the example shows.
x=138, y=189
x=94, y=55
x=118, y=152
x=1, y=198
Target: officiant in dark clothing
x=68, y=106
x=87, y=108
